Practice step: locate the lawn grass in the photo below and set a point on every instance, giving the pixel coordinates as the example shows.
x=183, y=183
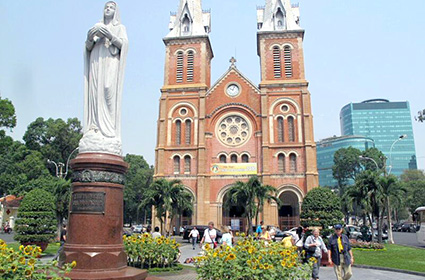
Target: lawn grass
x=50, y=251
x=396, y=256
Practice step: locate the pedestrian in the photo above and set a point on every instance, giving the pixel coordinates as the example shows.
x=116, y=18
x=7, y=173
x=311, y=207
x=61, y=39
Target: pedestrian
x=62, y=241
x=194, y=233
x=226, y=238
x=314, y=246
x=300, y=234
x=181, y=231
x=156, y=233
x=209, y=236
x=288, y=240
x=265, y=235
x=340, y=254
x=259, y=230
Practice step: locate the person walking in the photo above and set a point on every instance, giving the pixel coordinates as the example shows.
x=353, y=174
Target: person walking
x=209, y=236
x=340, y=254
x=314, y=246
x=194, y=233
x=226, y=238
x=259, y=230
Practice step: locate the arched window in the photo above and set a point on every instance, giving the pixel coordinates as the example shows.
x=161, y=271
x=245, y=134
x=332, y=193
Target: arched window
x=179, y=77
x=281, y=163
x=245, y=158
x=280, y=18
x=176, y=165
x=187, y=164
x=233, y=159
x=186, y=24
x=293, y=163
x=188, y=132
x=287, y=54
x=223, y=159
x=280, y=130
x=291, y=129
x=276, y=62
x=178, y=132
x=189, y=73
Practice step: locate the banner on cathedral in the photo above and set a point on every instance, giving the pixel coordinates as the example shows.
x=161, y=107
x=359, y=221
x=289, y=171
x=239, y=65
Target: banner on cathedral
x=234, y=168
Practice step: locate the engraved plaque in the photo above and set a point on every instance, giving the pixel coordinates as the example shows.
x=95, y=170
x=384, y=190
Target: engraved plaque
x=88, y=203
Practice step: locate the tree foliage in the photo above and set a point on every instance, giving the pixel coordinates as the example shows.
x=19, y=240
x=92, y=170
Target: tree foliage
x=137, y=180
x=250, y=197
x=169, y=198
x=7, y=114
x=36, y=218
x=54, y=139
x=321, y=208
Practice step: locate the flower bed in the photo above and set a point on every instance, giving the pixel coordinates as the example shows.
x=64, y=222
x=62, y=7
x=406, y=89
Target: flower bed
x=252, y=259
x=361, y=245
x=143, y=251
x=23, y=263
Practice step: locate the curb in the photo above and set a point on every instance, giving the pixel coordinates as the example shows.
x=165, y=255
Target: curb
x=390, y=269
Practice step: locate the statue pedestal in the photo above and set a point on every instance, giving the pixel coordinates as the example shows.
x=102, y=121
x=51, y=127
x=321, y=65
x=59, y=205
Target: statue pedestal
x=94, y=237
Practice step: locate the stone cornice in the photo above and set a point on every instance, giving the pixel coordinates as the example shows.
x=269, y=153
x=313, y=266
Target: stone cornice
x=231, y=105
x=172, y=41
x=184, y=87
x=284, y=84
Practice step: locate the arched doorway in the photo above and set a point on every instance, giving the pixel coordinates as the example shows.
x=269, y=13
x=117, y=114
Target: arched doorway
x=289, y=211
x=185, y=218
x=232, y=214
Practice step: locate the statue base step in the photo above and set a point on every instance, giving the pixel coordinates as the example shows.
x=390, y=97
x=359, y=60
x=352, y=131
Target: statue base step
x=128, y=273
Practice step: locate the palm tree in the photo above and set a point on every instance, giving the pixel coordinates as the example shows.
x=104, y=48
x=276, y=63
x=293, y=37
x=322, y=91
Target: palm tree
x=250, y=196
x=168, y=198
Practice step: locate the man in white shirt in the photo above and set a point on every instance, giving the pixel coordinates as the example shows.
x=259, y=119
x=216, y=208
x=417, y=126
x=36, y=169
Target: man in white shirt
x=209, y=235
x=156, y=233
x=194, y=233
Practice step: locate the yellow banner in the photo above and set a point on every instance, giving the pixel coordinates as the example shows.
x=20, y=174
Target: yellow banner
x=234, y=168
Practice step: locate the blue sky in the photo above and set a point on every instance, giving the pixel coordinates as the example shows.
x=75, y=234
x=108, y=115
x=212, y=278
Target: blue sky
x=354, y=50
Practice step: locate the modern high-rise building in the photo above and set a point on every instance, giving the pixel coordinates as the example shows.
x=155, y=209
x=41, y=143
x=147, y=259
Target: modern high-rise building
x=389, y=124
x=211, y=135
x=326, y=149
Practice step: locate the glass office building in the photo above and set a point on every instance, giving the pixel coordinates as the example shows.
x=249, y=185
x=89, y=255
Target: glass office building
x=384, y=122
x=326, y=149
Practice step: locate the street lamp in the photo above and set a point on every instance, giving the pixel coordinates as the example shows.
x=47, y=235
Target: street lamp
x=401, y=137
x=368, y=158
x=59, y=166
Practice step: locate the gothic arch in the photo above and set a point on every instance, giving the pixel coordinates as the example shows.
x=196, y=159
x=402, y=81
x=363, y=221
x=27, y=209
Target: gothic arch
x=297, y=117
x=170, y=121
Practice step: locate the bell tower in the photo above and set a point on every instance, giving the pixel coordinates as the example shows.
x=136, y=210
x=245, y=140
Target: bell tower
x=288, y=138
x=180, y=150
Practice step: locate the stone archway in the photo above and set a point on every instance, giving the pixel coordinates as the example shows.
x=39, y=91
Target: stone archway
x=289, y=211
x=186, y=218
x=231, y=215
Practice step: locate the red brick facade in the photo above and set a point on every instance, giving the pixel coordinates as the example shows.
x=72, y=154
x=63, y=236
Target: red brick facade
x=276, y=116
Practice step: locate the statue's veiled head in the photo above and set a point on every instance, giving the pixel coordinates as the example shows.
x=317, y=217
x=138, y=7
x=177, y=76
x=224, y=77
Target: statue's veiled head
x=111, y=11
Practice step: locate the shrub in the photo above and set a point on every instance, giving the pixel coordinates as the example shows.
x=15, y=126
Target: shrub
x=366, y=245
x=321, y=208
x=252, y=259
x=25, y=264
x=143, y=251
x=36, y=221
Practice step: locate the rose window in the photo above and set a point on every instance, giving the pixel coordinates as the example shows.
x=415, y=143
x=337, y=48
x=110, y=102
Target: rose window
x=233, y=130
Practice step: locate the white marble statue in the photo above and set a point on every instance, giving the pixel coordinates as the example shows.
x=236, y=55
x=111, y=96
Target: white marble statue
x=104, y=62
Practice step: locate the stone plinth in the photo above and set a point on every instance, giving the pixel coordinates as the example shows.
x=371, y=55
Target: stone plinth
x=94, y=238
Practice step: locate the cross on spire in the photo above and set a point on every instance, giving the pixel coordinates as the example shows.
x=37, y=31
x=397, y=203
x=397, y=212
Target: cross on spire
x=233, y=62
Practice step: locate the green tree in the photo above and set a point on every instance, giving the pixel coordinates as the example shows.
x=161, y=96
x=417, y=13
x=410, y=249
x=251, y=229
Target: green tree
x=346, y=166
x=54, y=139
x=36, y=218
x=250, y=196
x=321, y=208
x=7, y=114
x=168, y=197
x=137, y=180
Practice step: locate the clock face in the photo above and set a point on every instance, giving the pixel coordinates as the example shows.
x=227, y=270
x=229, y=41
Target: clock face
x=233, y=90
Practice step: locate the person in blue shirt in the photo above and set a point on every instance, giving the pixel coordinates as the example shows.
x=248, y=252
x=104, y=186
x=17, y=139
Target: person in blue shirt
x=259, y=230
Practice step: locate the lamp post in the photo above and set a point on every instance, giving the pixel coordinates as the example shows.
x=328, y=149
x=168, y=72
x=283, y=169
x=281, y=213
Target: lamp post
x=59, y=166
x=401, y=137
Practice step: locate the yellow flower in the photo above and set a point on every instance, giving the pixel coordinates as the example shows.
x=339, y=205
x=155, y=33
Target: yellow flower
x=207, y=246
x=31, y=262
x=2, y=242
x=28, y=273
x=21, y=248
x=231, y=257
x=14, y=267
x=22, y=260
x=73, y=264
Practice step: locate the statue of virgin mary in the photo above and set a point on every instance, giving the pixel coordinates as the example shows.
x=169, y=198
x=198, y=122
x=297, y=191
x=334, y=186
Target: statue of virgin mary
x=104, y=62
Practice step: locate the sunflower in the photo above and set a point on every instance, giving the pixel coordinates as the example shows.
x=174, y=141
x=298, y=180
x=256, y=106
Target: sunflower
x=28, y=273
x=22, y=260
x=73, y=264
x=31, y=262
x=231, y=257
x=14, y=267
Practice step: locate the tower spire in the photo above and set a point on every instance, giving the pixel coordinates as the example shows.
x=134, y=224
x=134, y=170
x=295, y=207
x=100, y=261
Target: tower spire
x=190, y=20
x=278, y=15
